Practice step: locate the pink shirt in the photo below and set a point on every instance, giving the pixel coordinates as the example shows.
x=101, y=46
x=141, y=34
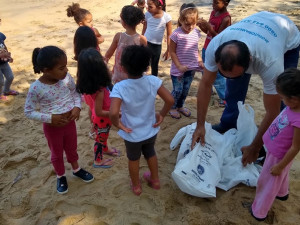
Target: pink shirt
x=186, y=50
x=57, y=98
x=279, y=136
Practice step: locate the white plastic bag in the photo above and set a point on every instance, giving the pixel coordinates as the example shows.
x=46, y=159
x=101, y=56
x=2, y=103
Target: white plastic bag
x=224, y=169
x=233, y=172
x=246, y=127
x=198, y=172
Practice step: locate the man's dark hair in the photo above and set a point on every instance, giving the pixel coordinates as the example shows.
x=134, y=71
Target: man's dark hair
x=229, y=58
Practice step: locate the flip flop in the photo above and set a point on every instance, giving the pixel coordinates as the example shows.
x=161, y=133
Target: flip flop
x=155, y=184
x=174, y=114
x=137, y=190
x=113, y=152
x=185, y=111
x=11, y=92
x=102, y=165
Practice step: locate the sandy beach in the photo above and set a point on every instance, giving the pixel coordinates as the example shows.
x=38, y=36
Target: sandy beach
x=28, y=183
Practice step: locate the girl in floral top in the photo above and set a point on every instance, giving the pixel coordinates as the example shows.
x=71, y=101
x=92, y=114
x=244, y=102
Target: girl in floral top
x=54, y=94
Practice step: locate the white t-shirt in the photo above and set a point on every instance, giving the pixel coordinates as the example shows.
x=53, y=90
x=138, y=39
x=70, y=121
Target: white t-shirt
x=156, y=27
x=138, y=106
x=268, y=36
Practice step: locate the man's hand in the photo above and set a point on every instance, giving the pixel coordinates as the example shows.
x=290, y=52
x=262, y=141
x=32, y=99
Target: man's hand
x=198, y=135
x=250, y=154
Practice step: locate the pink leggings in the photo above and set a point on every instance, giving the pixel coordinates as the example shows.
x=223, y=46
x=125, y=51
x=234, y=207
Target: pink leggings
x=269, y=186
x=60, y=139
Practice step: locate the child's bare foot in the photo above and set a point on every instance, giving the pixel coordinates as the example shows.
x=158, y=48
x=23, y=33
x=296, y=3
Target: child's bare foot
x=105, y=163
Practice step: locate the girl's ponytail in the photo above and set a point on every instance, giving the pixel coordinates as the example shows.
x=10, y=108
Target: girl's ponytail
x=35, y=54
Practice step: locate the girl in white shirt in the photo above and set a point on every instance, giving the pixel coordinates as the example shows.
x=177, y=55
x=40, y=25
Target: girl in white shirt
x=59, y=104
x=156, y=21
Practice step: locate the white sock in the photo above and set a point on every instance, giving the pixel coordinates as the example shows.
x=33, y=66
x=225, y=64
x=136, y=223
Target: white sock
x=75, y=171
x=60, y=176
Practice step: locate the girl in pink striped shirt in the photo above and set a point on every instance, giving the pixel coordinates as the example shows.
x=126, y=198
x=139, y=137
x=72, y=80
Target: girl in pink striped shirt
x=185, y=56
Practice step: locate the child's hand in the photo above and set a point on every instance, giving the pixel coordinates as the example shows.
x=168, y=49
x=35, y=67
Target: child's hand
x=159, y=119
x=75, y=113
x=182, y=68
x=166, y=55
x=59, y=120
x=122, y=127
x=276, y=170
x=201, y=64
x=202, y=23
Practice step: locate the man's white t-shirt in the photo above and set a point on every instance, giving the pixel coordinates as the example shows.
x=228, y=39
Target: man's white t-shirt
x=138, y=106
x=268, y=36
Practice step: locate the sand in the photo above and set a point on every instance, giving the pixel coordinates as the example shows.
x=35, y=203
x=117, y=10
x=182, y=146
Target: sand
x=28, y=182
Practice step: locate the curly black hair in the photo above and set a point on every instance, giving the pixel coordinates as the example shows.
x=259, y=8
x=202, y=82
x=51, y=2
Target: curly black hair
x=92, y=72
x=136, y=59
x=84, y=38
x=132, y=16
x=288, y=83
x=46, y=57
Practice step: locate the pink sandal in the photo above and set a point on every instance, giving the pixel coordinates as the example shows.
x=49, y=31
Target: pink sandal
x=11, y=92
x=155, y=184
x=137, y=190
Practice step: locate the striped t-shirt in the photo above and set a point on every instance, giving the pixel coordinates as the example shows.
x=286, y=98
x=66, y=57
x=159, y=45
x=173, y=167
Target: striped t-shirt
x=186, y=49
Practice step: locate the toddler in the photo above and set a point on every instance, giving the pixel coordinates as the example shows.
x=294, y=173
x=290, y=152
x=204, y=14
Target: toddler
x=130, y=17
x=219, y=20
x=84, y=18
x=185, y=57
x=139, y=123
x=141, y=4
x=282, y=143
x=93, y=77
x=156, y=22
x=5, y=71
x=55, y=95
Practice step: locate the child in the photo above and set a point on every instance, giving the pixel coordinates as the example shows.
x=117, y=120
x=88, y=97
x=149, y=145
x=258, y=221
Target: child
x=130, y=18
x=84, y=18
x=156, y=21
x=141, y=4
x=5, y=71
x=185, y=57
x=59, y=105
x=139, y=122
x=84, y=38
x=93, y=77
x=282, y=142
x=219, y=20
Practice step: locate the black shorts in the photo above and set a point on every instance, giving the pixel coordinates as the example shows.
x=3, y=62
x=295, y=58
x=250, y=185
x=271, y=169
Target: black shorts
x=135, y=149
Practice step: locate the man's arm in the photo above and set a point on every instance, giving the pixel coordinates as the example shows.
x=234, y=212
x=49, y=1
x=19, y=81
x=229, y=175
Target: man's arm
x=203, y=97
x=272, y=107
